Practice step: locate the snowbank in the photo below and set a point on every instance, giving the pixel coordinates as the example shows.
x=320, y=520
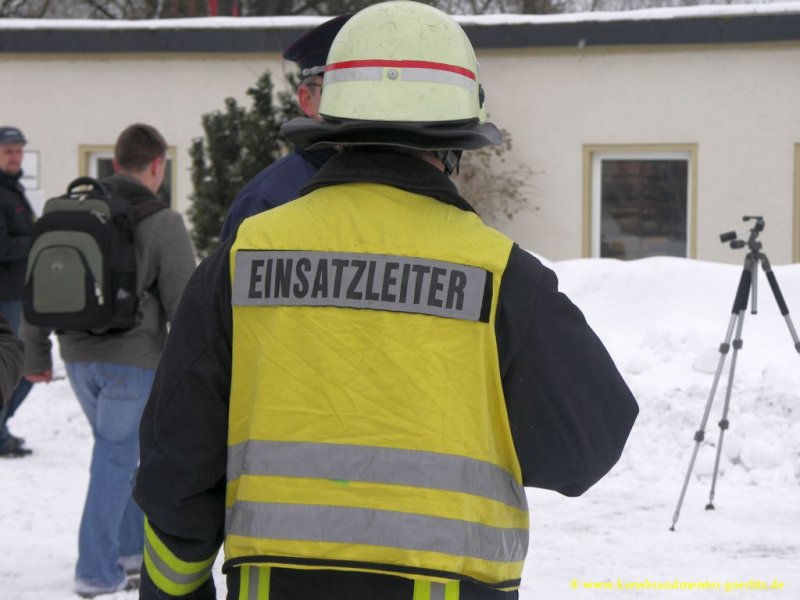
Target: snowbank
x=662, y=320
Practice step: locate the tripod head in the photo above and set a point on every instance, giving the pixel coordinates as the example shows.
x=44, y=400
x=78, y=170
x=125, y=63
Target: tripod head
x=731, y=237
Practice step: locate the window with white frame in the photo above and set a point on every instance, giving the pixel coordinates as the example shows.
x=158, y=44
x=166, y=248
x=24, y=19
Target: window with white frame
x=98, y=162
x=641, y=203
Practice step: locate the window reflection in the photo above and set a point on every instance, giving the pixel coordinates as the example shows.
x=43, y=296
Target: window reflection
x=643, y=208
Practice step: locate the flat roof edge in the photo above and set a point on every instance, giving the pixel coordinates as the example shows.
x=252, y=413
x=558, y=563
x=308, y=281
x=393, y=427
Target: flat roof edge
x=679, y=30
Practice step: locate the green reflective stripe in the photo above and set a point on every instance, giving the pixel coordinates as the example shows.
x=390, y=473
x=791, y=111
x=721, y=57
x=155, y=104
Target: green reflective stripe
x=431, y=590
x=422, y=590
x=363, y=526
x=376, y=465
x=244, y=583
x=264, y=574
x=171, y=574
x=170, y=580
x=452, y=591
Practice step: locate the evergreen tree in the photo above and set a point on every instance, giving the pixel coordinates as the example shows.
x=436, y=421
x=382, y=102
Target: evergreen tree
x=238, y=144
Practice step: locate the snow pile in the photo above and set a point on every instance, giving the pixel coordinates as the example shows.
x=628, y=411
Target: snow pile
x=662, y=319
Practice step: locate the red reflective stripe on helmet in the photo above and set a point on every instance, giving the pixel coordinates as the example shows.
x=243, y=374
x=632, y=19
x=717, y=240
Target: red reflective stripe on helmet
x=413, y=64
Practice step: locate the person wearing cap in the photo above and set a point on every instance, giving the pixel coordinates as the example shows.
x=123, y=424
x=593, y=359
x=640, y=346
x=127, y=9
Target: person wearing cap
x=16, y=230
x=282, y=181
x=359, y=385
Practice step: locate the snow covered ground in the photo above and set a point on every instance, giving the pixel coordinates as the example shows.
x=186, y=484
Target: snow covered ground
x=662, y=320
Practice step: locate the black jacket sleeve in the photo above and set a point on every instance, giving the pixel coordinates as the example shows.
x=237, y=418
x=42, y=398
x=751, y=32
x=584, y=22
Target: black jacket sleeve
x=180, y=484
x=569, y=408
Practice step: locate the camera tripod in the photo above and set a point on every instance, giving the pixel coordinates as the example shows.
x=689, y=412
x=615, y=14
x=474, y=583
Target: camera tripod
x=748, y=288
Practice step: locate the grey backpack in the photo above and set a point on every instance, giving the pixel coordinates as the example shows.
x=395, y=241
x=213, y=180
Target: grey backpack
x=81, y=273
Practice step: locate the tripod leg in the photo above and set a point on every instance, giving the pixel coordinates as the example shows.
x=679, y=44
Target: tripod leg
x=723, y=424
x=739, y=306
x=699, y=435
x=776, y=291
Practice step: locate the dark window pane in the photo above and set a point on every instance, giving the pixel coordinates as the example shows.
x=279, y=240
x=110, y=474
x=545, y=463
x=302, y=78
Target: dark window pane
x=643, y=207
x=165, y=191
x=105, y=168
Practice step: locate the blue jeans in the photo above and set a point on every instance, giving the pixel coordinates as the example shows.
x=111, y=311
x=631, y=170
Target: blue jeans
x=12, y=311
x=113, y=397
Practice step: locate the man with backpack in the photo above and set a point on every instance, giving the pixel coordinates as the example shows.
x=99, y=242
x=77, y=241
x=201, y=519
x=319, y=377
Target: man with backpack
x=111, y=372
x=16, y=225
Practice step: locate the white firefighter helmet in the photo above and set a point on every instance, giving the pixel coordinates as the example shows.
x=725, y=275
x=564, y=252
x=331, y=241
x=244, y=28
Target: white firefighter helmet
x=400, y=73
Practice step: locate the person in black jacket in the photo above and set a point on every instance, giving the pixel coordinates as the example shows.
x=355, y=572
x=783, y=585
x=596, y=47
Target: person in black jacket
x=359, y=385
x=16, y=229
x=282, y=181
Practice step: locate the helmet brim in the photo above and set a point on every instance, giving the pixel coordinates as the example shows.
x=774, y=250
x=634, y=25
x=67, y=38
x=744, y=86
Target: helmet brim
x=453, y=135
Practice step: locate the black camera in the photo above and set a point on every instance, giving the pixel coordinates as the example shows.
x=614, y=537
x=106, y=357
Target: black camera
x=731, y=237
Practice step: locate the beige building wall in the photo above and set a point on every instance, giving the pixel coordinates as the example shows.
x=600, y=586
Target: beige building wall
x=62, y=102
x=735, y=106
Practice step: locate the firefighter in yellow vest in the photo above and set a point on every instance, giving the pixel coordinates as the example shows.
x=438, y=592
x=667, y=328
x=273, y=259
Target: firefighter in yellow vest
x=358, y=388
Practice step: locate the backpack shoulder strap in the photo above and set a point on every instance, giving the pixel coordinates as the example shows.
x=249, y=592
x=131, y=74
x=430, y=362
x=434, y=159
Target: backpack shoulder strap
x=142, y=206
x=145, y=207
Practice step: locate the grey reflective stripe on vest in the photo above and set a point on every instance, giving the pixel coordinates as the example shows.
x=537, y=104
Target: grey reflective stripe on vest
x=437, y=591
x=363, y=526
x=168, y=572
x=357, y=280
x=376, y=465
x=432, y=590
x=252, y=583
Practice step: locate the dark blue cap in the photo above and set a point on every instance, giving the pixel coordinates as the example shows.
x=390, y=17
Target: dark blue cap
x=310, y=51
x=11, y=135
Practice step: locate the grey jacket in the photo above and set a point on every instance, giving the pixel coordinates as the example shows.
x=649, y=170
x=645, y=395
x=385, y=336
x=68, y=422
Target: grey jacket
x=164, y=262
x=10, y=361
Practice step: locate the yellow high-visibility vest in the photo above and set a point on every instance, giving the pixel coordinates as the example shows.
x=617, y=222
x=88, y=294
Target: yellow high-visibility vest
x=368, y=427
